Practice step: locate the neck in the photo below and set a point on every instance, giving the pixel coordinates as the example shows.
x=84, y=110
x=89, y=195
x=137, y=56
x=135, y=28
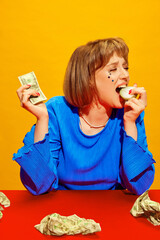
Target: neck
x=96, y=115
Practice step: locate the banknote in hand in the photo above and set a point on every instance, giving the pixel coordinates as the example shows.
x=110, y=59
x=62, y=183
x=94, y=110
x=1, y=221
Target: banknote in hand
x=30, y=78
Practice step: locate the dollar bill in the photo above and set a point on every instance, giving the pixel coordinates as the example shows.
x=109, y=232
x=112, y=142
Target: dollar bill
x=3, y=201
x=145, y=207
x=1, y=214
x=30, y=78
x=55, y=224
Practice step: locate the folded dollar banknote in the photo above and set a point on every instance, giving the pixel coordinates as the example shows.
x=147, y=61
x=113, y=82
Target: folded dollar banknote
x=3, y=201
x=1, y=214
x=30, y=78
x=55, y=224
x=145, y=207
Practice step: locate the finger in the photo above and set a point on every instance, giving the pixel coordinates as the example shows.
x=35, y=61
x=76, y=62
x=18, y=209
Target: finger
x=135, y=85
x=21, y=89
x=34, y=109
x=26, y=95
x=137, y=90
x=134, y=100
x=130, y=104
x=135, y=104
x=142, y=94
x=31, y=92
x=139, y=103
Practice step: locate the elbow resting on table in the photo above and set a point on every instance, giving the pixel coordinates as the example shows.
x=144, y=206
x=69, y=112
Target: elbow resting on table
x=143, y=181
x=37, y=188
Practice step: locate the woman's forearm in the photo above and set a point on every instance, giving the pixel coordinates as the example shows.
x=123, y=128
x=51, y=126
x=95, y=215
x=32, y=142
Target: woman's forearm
x=131, y=129
x=41, y=129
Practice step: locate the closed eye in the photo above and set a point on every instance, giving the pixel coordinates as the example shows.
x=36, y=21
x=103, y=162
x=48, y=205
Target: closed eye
x=114, y=69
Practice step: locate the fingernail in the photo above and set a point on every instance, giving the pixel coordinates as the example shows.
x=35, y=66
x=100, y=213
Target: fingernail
x=28, y=85
x=38, y=94
x=130, y=91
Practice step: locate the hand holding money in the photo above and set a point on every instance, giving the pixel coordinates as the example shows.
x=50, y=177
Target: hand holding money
x=31, y=80
x=31, y=96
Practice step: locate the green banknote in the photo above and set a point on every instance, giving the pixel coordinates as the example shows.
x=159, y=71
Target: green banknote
x=3, y=201
x=30, y=78
x=1, y=214
x=145, y=207
x=55, y=224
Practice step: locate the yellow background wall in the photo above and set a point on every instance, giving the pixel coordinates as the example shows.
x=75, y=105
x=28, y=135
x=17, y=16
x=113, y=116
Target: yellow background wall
x=40, y=36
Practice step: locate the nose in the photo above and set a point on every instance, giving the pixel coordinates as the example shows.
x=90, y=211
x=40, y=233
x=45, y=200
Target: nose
x=124, y=74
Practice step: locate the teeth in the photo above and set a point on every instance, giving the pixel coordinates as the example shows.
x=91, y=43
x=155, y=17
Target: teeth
x=122, y=86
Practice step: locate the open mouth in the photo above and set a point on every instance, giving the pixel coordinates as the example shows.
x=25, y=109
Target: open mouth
x=119, y=88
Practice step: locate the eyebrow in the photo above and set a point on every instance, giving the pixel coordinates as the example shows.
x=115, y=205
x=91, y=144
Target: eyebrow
x=115, y=63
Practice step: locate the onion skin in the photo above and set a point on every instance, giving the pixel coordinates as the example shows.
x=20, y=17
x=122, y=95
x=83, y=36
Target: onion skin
x=124, y=93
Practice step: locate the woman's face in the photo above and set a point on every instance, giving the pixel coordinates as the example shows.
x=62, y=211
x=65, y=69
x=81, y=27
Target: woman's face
x=117, y=69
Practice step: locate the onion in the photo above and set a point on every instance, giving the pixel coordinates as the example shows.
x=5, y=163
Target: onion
x=124, y=93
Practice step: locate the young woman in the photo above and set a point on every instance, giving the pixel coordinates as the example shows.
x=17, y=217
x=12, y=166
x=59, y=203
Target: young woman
x=90, y=139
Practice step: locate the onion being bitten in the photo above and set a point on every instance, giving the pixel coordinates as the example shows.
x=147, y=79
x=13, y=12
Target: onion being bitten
x=124, y=93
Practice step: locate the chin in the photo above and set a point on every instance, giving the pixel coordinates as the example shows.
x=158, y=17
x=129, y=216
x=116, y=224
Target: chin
x=120, y=105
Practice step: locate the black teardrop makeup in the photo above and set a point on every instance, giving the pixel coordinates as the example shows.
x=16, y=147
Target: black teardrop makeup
x=109, y=76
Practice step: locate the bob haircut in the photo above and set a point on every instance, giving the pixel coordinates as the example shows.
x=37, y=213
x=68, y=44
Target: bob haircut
x=79, y=81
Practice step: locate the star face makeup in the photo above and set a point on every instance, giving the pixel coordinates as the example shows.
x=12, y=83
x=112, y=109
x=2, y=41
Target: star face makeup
x=109, y=74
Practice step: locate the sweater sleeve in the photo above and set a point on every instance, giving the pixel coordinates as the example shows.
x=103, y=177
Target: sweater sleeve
x=39, y=160
x=137, y=169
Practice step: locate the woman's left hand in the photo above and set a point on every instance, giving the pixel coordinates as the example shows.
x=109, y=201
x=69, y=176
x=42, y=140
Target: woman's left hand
x=133, y=107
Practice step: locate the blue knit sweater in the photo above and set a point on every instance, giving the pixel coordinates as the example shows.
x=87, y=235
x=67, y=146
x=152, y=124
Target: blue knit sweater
x=68, y=159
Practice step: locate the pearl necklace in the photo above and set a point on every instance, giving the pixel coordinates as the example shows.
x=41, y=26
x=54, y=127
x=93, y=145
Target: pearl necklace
x=93, y=126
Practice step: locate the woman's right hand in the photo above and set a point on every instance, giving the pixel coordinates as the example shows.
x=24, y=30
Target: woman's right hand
x=39, y=110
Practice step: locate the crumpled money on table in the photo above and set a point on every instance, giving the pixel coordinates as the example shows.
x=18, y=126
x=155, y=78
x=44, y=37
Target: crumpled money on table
x=145, y=207
x=55, y=224
x=3, y=201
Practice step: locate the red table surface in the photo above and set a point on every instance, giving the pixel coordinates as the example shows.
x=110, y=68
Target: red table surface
x=109, y=208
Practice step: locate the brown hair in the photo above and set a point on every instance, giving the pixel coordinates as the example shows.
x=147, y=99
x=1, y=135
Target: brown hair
x=79, y=82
